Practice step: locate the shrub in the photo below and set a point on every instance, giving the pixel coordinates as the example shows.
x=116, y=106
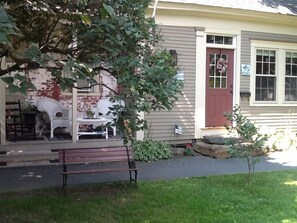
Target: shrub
x=282, y=141
x=149, y=150
x=247, y=138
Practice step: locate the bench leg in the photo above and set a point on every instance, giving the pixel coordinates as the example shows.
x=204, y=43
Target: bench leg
x=64, y=182
x=135, y=177
x=130, y=175
x=135, y=174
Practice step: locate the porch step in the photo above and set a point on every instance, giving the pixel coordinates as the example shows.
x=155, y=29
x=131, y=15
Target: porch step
x=213, y=146
x=212, y=150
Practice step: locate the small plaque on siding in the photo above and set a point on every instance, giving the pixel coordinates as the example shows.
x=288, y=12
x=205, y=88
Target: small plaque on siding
x=245, y=69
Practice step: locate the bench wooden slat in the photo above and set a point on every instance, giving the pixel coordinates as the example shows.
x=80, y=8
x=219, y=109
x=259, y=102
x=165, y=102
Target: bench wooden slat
x=70, y=160
x=84, y=150
x=90, y=154
x=72, y=172
x=102, y=153
x=97, y=153
x=95, y=157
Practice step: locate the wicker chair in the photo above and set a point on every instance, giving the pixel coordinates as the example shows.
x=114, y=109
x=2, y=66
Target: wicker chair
x=103, y=110
x=59, y=116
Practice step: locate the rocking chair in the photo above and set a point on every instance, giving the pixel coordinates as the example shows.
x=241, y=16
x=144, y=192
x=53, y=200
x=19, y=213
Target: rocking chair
x=16, y=125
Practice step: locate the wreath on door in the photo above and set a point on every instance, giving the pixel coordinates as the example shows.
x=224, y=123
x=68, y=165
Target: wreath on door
x=222, y=65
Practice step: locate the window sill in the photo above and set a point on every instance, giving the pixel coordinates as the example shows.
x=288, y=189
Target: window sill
x=273, y=104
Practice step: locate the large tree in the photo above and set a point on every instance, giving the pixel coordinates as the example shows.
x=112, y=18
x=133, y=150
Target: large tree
x=77, y=39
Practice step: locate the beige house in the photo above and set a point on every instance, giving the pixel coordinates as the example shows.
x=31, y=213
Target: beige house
x=229, y=52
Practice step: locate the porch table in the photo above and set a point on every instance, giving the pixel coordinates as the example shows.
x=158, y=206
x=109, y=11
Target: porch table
x=92, y=121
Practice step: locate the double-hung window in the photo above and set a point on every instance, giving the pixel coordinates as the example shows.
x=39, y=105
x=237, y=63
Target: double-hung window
x=291, y=76
x=266, y=76
x=274, y=76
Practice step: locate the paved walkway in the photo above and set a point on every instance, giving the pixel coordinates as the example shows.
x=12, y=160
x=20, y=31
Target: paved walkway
x=26, y=178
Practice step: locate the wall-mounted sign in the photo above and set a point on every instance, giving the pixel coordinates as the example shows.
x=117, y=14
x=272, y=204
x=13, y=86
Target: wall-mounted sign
x=245, y=69
x=178, y=129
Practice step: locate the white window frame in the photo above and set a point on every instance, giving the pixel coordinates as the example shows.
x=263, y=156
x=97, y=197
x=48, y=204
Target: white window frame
x=94, y=91
x=280, y=48
x=223, y=46
x=86, y=89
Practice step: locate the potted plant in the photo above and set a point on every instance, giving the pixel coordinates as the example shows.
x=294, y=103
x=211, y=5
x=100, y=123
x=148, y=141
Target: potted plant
x=90, y=113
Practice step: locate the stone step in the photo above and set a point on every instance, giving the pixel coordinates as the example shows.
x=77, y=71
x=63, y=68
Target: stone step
x=216, y=146
x=212, y=150
x=216, y=139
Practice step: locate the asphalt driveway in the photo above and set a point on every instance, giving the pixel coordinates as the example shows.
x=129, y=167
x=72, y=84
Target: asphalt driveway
x=35, y=177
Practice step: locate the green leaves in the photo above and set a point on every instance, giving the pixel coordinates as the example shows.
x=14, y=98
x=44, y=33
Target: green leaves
x=108, y=9
x=33, y=52
x=86, y=19
x=18, y=83
x=3, y=16
x=7, y=28
x=149, y=150
x=245, y=141
x=79, y=39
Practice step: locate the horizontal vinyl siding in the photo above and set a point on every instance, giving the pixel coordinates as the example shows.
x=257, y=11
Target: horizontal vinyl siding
x=272, y=118
x=277, y=118
x=161, y=123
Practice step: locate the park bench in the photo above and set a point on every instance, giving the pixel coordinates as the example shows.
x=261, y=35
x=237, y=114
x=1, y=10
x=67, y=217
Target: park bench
x=120, y=155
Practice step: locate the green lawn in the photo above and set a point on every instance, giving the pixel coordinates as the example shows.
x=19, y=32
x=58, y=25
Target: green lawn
x=270, y=197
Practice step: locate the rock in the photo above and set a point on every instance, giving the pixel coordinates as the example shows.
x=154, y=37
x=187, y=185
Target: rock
x=212, y=150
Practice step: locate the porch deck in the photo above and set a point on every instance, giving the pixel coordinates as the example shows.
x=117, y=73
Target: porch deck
x=40, y=152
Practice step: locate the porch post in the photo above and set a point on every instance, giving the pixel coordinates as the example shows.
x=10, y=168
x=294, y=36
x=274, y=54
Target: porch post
x=200, y=80
x=74, y=115
x=2, y=108
x=140, y=133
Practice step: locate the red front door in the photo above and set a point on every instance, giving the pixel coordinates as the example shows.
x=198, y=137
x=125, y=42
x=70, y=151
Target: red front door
x=219, y=85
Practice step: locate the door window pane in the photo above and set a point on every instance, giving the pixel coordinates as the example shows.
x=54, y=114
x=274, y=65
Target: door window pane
x=228, y=40
x=219, y=39
x=218, y=66
x=224, y=40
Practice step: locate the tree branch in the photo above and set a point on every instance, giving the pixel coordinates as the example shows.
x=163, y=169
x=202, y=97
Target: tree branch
x=93, y=85
x=15, y=67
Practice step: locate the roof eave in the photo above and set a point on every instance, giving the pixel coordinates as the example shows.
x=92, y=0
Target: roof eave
x=223, y=12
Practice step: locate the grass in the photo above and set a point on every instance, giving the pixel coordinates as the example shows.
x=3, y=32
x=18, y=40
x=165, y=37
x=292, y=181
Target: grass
x=269, y=197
